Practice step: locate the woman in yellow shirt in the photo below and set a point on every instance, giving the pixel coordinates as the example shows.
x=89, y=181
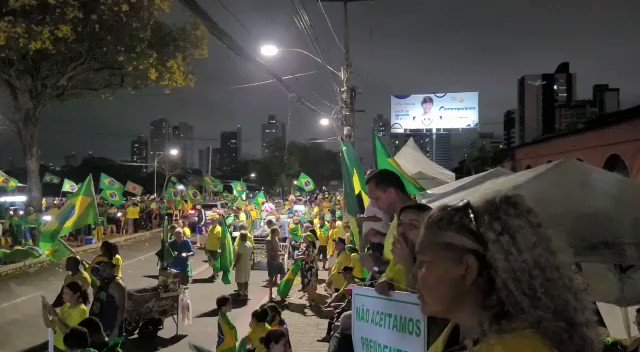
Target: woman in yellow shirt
x=70, y=314
x=490, y=268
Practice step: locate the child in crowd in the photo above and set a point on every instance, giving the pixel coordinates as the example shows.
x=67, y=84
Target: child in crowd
x=227, y=333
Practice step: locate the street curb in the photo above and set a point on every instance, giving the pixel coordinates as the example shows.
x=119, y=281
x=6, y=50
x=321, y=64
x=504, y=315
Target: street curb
x=32, y=262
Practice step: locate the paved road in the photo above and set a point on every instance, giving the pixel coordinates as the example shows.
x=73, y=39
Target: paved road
x=21, y=323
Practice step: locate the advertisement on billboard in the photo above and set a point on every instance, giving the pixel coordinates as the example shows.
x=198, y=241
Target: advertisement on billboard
x=437, y=110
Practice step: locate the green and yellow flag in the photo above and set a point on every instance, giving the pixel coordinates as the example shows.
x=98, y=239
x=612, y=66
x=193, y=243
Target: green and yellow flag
x=226, y=253
x=50, y=178
x=355, y=193
x=384, y=160
x=110, y=183
x=259, y=200
x=7, y=182
x=194, y=195
x=172, y=194
x=306, y=182
x=287, y=282
x=227, y=335
x=212, y=184
x=113, y=197
x=240, y=189
x=133, y=188
x=69, y=186
x=79, y=211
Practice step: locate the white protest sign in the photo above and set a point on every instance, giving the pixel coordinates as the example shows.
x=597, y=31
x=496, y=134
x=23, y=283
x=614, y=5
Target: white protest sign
x=387, y=324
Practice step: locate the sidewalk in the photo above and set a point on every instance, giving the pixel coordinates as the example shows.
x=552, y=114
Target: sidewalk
x=305, y=326
x=112, y=238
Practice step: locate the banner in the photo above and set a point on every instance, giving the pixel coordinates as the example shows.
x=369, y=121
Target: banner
x=387, y=323
x=438, y=110
x=133, y=188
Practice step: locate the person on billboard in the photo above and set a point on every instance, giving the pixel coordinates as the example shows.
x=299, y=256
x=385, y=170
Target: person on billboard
x=426, y=117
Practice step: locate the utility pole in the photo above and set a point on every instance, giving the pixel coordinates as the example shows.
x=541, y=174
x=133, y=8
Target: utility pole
x=347, y=89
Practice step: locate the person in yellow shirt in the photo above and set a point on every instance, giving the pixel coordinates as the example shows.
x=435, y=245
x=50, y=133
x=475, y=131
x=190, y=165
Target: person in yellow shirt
x=132, y=214
x=491, y=268
x=212, y=245
x=242, y=216
x=323, y=238
x=358, y=268
x=335, y=231
x=70, y=314
x=335, y=279
x=254, y=214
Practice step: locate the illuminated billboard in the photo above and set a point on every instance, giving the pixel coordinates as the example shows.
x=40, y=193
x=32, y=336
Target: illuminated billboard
x=437, y=110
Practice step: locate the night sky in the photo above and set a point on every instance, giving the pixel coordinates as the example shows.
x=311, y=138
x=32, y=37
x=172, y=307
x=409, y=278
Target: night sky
x=398, y=47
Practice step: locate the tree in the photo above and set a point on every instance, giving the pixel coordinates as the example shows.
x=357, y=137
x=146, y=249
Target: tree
x=55, y=50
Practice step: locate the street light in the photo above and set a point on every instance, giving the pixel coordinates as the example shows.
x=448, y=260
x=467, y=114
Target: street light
x=172, y=152
x=270, y=50
x=251, y=176
x=324, y=121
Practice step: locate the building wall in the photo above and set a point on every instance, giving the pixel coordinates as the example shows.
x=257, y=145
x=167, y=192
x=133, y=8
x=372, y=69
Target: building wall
x=594, y=147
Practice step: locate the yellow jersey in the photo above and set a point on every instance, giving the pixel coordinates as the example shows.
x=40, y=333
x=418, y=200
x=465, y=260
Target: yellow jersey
x=517, y=341
x=132, y=212
x=256, y=333
x=337, y=281
x=82, y=277
x=213, y=239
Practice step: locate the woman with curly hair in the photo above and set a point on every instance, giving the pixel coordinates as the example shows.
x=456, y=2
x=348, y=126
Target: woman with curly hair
x=491, y=269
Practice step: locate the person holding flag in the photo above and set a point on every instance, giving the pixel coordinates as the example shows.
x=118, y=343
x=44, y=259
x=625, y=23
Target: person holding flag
x=212, y=246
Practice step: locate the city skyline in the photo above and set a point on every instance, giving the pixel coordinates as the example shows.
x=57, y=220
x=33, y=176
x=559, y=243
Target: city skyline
x=212, y=106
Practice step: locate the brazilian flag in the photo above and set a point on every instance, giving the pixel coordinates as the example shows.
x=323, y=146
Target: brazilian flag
x=110, y=183
x=259, y=200
x=7, y=182
x=50, y=178
x=240, y=189
x=172, y=194
x=77, y=212
x=287, y=282
x=113, y=197
x=227, y=335
x=69, y=186
x=212, y=184
x=226, y=253
x=193, y=195
x=306, y=182
x=384, y=160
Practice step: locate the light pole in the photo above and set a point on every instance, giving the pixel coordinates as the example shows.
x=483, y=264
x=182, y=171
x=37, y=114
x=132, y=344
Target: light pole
x=251, y=176
x=172, y=152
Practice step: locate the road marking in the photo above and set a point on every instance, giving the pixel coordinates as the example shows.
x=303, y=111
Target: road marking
x=4, y=305
x=140, y=257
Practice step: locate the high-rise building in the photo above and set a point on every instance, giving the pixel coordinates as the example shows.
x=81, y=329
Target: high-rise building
x=273, y=132
x=230, y=150
x=605, y=99
x=140, y=151
x=488, y=139
x=159, y=137
x=510, y=128
x=442, y=150
x=182, y=138
x=209, y=160
x=538, y=96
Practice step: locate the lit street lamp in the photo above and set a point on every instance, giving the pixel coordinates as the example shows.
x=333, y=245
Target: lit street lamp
x=270, y=50
x=324, y=121
x=172, y=152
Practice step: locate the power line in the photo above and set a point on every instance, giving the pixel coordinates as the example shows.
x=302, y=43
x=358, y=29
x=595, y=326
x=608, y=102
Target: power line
x=271, y=80
x=330, y=27
x=232, y=15
x=227, y=40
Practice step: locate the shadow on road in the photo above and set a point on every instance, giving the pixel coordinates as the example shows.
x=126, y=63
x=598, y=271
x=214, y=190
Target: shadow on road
x=145, y=345
x=153, y=277
x=236, y=303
